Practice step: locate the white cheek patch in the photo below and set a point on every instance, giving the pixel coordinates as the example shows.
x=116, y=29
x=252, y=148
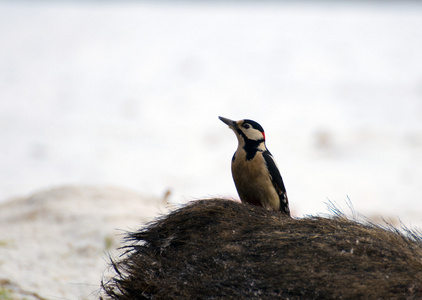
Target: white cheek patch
x=253, y=134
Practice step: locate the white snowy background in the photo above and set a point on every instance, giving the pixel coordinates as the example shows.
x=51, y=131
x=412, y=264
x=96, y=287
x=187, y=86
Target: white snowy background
x=128, y=94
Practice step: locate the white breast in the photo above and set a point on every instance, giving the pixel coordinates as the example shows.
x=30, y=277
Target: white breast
x=253, y=181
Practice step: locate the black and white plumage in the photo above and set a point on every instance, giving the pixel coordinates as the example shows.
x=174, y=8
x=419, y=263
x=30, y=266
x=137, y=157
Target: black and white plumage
x=255, y=172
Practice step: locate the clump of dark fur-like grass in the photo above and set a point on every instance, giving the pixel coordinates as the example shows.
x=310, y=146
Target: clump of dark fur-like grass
x=220, y=249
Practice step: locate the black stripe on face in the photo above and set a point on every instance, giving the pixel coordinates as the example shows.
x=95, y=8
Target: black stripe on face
x=251, y=146
x=241, y=133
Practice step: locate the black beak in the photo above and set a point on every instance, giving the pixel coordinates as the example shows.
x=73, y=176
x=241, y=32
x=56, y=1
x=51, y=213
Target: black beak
x=232, y=124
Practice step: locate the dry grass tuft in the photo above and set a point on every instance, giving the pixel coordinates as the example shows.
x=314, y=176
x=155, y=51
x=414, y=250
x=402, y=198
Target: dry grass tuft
x=221, y=249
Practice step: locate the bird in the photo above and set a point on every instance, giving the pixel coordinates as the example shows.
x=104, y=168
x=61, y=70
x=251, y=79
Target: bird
x=255, y=173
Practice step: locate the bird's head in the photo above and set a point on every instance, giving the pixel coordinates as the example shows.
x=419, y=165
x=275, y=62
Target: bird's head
x=246, y=130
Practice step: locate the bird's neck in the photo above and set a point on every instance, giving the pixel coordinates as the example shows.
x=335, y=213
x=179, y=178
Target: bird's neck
x=251, y=147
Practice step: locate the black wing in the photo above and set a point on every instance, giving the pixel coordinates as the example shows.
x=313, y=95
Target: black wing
x=277, y=182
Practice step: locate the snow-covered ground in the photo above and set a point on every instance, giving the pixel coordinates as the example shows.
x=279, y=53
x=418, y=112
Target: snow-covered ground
x=128, y=94
x=56, y=243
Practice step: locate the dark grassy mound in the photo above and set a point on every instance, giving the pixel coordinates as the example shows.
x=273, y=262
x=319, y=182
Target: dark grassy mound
x=220, y=249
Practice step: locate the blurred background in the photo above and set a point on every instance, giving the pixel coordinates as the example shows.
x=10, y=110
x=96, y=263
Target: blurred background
x=128, y=94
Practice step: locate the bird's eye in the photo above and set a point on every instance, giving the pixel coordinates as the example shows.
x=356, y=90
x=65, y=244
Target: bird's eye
x=246, y=126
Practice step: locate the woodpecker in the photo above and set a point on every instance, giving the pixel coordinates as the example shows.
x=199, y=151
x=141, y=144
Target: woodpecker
x=255, y=172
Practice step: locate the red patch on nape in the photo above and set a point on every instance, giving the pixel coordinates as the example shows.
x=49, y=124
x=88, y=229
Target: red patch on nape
x=263, y=134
